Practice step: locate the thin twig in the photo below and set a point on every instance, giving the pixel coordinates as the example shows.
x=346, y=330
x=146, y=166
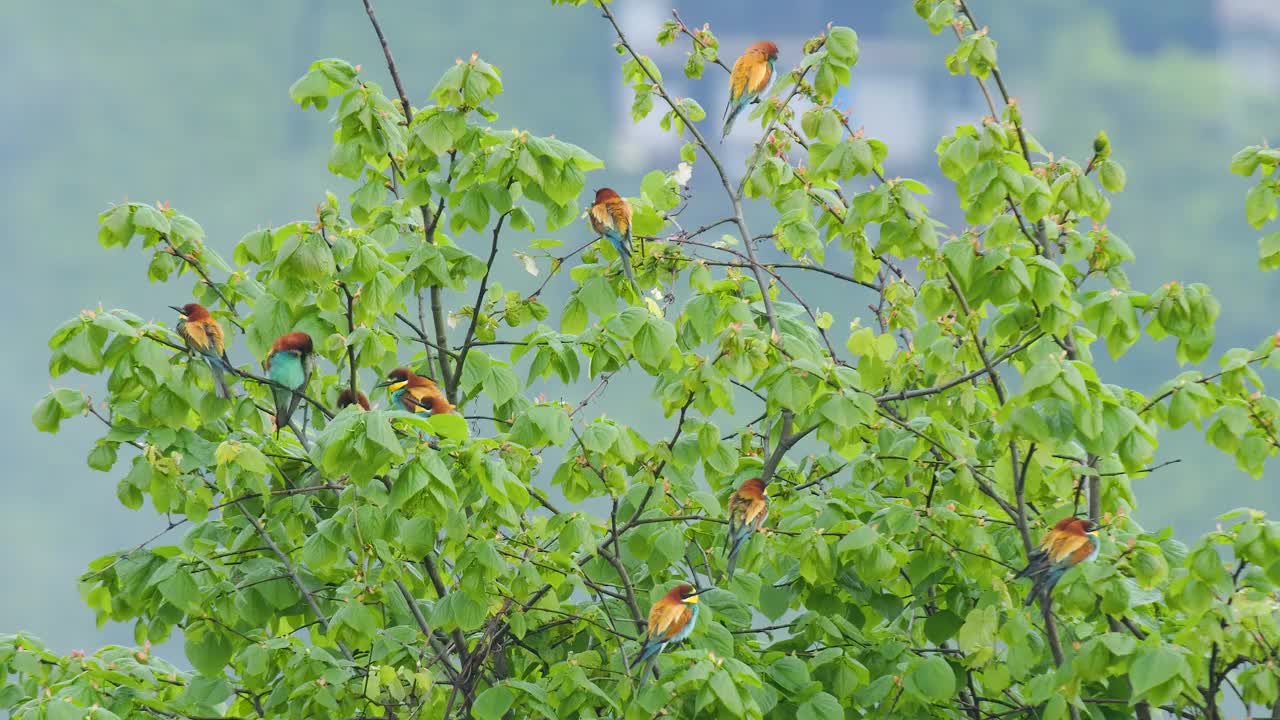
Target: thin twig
x=475, y=310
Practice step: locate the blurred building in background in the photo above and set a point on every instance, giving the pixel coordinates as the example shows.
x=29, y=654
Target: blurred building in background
x=1250, y=29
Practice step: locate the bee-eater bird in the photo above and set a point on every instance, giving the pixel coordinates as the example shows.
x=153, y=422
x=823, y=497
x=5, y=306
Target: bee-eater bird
x=346, y=398
x=610, y=217
x=748, y=508
x=671, y=619
x=289, y=364
x=203, y=335
x=748, y=80
x=414, y=393
x=1068, y=543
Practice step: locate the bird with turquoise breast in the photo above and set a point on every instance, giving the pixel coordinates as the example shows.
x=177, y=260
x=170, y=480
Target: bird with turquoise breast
x=1068, y=543
x=671, y=620
x=289, y=366
x=610, y=217
x=203, y=336
x=748, y=80
x=416, y=394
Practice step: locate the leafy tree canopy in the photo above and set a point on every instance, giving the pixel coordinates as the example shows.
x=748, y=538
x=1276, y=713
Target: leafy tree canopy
x=389, y=564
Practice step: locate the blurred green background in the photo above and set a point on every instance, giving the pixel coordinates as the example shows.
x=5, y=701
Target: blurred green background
x=188, y=103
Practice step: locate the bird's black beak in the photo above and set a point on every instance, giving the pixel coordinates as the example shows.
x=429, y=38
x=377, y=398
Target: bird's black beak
x=699, y=592
x=382, y=384
x=178, y=310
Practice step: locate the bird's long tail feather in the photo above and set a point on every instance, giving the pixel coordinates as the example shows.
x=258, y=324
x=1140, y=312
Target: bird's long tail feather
x=647, y=650
x=624, y=257
x=1044, y=585
x=220, y=380
x=1036, y=565
x=650, y=668
x=630, y=273
x=294, y=399
x=733, y=110
x=736, y=541
x=732, y=564
x=285, y=406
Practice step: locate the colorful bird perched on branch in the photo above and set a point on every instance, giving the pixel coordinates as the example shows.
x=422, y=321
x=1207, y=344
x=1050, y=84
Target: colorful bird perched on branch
x=610, y=217
x=414, y=393
x=203, y=335
x=748, y=508
x=671, y=619
x=289, y=365
x=1067, y=544
x=346, y=397
x=750, y=77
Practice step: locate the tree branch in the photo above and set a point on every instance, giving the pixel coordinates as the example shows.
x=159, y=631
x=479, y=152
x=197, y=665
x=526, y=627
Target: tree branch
x=429, y=219
x=475, y=311
x=293, y=575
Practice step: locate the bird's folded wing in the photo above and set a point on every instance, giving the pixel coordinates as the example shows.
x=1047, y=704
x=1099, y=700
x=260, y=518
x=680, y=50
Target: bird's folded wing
x=759, y=77
x=743, y=69
x=620, y=213
x=419, y=398
x=1063, y=544
x=600, y=218
x=666, y=620
x=213, y=331
x=194, y=334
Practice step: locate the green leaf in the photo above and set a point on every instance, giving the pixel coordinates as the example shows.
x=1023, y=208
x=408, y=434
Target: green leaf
x=58, y=405
x=448, y=426
x=723, y=604
x=541, y=425
x=653, y=341
x=205, y=692
x=501, y=384
x=862, y=537
x=959, y=157
x=63, y=709
x=790, y=673
x=942, y=626
x=208, y=650
x=1119, y=643
x=1112, y=176
x=379, y=431
x=670, y=544
x=822, y=706
x=1259, y=205
x=252, y=460
x=932, y=679
x=103, y=456
x=117, y=226
x=724, y=689
x=47, y=414
x=842, y=44
x=1269, y=251
x=145, y=216
x=493, y=703
x=1155, y=666
x=181, y=590
x=357, y=616
x=791, y=392
x=312, y=260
